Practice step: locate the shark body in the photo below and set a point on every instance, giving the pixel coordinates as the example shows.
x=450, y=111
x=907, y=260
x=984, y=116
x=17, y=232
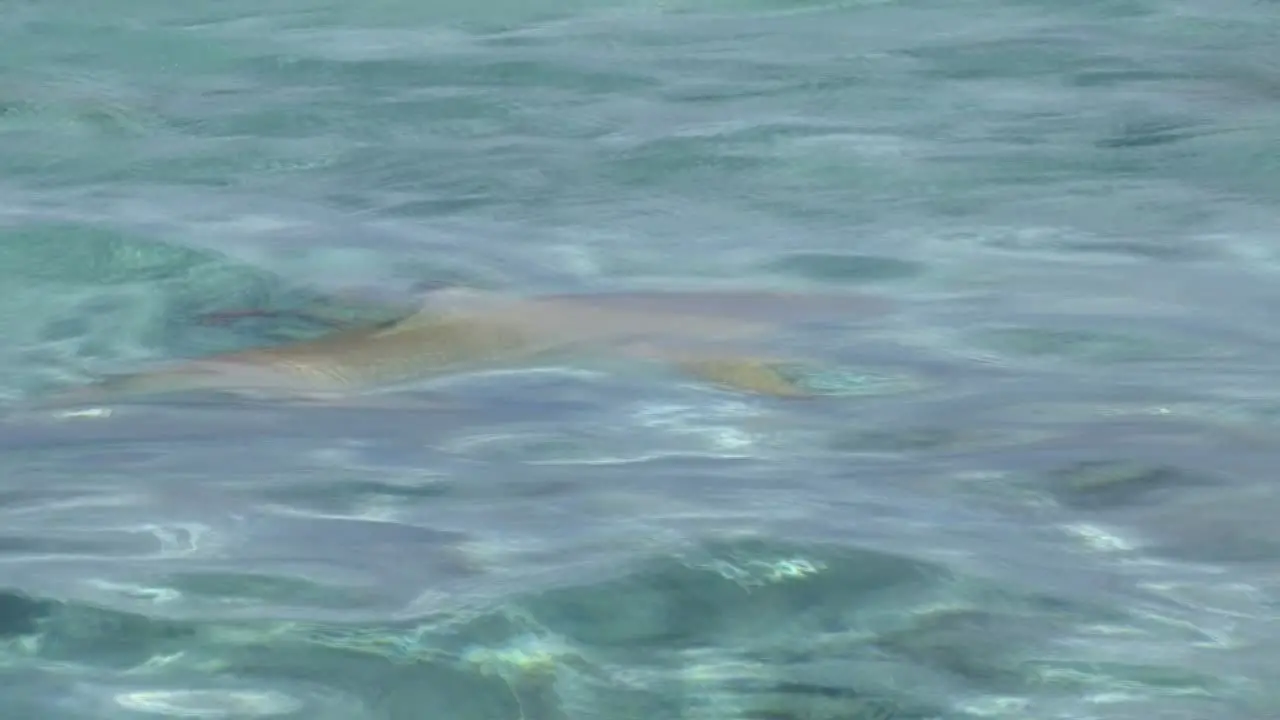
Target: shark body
x=460, y=330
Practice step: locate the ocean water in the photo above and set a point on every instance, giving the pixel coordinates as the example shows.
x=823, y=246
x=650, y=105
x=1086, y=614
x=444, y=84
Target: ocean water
x=1040, y=485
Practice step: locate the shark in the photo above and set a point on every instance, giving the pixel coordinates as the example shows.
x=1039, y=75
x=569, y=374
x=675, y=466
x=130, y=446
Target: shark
x=713, y=335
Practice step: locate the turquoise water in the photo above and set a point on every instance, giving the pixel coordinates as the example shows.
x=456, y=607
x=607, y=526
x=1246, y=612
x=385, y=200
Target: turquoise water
x=1040, y=487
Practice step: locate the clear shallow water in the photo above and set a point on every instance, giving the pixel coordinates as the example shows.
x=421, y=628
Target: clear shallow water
x=1043, y=490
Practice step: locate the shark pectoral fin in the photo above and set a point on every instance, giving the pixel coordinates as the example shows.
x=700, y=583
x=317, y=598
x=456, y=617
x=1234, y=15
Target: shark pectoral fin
x=749, y=374
x=739, y=370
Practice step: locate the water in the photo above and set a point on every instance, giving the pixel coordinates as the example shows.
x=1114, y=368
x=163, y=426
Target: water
x=1040, y=487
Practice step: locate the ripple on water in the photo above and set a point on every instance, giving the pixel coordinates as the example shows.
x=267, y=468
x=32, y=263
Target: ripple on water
x=211, y=704
x=933, y=439
x=836, y=267
x=1103, y=484
x=733, y=628
x=1018, y=343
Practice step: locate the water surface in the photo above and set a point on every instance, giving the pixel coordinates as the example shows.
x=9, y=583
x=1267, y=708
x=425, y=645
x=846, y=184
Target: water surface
x=1040, y=486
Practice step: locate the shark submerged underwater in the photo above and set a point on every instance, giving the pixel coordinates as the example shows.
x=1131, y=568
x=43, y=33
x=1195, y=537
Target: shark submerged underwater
x=707, y=334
